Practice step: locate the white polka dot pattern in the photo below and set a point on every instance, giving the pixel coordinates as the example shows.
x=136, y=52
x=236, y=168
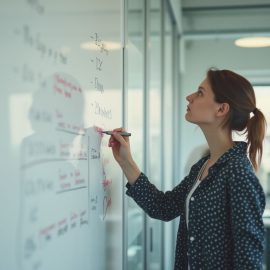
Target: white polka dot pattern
x=226, y=230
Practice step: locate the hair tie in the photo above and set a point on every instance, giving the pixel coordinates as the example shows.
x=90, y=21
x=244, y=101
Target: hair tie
x=255, y=110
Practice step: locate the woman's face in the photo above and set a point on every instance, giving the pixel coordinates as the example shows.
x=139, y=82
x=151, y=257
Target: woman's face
x=202, y=108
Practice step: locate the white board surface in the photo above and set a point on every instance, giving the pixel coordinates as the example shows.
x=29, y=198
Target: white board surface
x=61, y=84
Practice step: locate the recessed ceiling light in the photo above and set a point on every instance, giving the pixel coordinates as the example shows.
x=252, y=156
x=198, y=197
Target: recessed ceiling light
x=253, y=42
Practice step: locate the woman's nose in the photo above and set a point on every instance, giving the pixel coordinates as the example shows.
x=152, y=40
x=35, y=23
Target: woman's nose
x=189, y=98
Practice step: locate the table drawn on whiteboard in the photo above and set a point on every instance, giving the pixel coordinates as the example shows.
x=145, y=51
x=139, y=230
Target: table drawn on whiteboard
x=54, y=166
x=102, y=185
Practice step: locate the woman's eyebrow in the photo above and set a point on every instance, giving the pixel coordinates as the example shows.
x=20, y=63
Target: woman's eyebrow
x=201, y=88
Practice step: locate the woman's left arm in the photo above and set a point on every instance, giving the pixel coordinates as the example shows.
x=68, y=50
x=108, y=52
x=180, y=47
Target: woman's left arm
x=247, y=203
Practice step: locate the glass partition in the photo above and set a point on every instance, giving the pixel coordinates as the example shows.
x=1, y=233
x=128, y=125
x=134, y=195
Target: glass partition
x=135, y=83
x=262, y=99
x=154, y=227
x=168, y=128
x=149, y=110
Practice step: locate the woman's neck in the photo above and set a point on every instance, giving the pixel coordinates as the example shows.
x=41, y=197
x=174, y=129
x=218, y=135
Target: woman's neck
x=219, y=142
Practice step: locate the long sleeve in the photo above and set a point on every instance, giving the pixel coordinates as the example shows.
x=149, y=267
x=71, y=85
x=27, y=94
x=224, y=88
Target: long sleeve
x=157, y=204
x=247, y=202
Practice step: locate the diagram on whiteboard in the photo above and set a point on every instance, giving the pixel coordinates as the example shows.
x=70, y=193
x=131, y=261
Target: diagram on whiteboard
x=65, y=190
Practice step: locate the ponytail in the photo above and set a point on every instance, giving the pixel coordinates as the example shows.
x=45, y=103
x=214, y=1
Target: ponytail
x=238, y=92
x=255, y=132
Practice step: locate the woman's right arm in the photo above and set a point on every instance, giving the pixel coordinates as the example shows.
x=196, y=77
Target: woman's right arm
x=157, y=204
x=121, y=152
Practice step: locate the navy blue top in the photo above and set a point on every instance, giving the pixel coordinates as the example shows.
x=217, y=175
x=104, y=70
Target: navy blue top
x=226, y=229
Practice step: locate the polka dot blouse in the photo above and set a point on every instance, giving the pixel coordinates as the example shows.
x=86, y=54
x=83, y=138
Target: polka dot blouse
x=226, y=229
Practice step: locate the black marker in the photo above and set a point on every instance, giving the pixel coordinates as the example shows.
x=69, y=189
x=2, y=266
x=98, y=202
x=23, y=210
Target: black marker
x=123, y=133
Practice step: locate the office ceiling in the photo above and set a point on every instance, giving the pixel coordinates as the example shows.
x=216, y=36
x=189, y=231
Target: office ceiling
x=221, y=4
x=209, y=18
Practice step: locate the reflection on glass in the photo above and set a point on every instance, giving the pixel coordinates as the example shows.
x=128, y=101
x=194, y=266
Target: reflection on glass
x=135, y=58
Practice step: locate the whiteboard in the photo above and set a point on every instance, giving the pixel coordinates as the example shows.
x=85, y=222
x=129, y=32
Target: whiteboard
x=61, y=85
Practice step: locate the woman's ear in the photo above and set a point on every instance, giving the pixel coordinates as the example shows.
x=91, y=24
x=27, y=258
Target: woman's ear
x=223, y=109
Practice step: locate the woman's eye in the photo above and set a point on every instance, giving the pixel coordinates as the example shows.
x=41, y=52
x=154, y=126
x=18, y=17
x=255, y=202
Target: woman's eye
x=199, y=92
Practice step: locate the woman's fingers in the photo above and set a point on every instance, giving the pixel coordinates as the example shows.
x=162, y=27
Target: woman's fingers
x=119, y=138
x=120, y=145
x=119, y=129
x=116, y=138
x=112, y=140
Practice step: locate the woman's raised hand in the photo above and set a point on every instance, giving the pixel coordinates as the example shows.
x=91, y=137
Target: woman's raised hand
x=120, y=146
x=121, y=152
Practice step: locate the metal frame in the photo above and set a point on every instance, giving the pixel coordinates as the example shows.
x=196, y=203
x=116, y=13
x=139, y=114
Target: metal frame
x=162, y=86
x=165, y=4
x=124, y=124
x=225, y=7
x=147, y=235
x=224, y=34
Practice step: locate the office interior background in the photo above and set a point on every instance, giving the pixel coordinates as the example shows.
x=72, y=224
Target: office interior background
x=170, y=46
x=167, y=48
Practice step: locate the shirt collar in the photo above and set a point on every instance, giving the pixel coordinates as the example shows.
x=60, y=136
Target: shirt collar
x=239, y=148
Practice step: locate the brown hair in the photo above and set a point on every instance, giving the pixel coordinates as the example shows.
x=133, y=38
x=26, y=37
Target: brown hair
x=232, y=88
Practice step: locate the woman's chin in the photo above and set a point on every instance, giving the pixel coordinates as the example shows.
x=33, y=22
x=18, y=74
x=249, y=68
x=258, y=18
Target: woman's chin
x=189, y=119
x=187, y=116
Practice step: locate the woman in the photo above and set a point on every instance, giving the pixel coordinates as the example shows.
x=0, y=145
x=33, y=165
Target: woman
x=220, y=202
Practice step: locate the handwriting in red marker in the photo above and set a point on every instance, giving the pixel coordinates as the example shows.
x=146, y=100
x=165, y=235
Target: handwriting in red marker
x=61, y=222
x=64, y=82
x=99, y=131
x=106, y=183
x=47, y=229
